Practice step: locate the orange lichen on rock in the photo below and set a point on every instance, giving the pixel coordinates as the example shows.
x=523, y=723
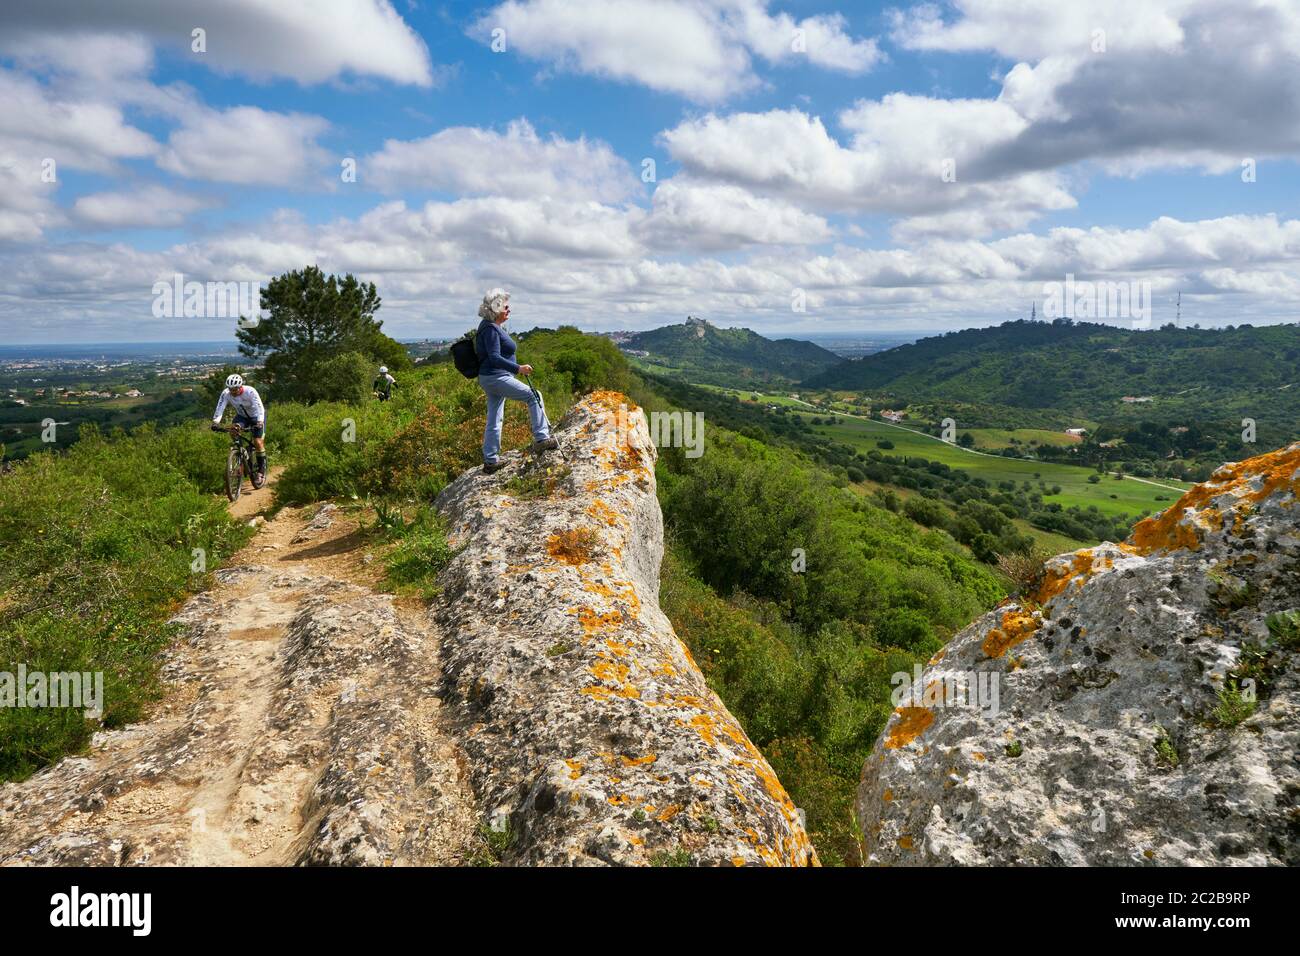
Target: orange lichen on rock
x=1249, y=482
x=1018, y=625
x=604, y=513
x=609, y=670
x=592, y=622
x=912, y=722
x=1056, y=580
x=605, y=693
x=574, y=546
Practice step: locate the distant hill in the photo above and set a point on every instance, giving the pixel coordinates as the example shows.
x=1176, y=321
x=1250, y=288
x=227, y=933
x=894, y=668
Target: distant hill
x=1087, y=369
x=705, y=353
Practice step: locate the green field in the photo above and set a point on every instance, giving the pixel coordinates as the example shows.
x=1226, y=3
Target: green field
x=747, y=395
x=1002, y=437
x=1130, y=496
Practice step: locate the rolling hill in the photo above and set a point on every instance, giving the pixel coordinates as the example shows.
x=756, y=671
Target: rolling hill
x=1087, y=369
x=702, y=352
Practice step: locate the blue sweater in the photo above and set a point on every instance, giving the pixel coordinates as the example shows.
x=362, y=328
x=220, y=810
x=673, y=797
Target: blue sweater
x=495, y=348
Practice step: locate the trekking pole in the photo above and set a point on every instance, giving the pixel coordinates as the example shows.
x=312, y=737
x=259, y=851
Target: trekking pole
x=546, y=418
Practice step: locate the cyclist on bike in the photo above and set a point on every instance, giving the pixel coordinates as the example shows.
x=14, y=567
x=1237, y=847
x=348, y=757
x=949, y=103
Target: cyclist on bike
x=383, y=385
x=250, y=415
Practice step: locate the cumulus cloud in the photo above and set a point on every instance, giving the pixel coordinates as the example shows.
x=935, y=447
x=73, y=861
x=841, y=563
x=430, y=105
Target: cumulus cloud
x=36, y=123
x=895, y=161
x=148, y=206
x=468, y=160
x=246, y=145
x=698, y=49
x=583, y=264
x=719, y=216
x=1033, y=29
x=1191, y=83
x=310, y=41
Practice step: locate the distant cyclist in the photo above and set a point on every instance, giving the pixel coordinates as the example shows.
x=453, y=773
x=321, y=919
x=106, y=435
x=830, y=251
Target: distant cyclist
x=383, y=386
x=250, y=415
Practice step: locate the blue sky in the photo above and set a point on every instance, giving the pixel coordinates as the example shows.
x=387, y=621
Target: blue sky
x=799, y=151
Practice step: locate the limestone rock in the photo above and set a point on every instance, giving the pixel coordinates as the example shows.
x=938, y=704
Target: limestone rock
x=300, y=732
x=1122, y=733
x=320, y=522
x=592, y=737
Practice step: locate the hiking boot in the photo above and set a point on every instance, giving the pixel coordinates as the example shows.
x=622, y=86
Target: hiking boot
x=546, y=444
x=491, y=466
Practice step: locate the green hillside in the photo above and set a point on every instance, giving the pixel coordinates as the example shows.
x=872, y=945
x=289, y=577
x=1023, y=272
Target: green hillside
x=703, y=352
x=1086, y=369
x=1164, y=403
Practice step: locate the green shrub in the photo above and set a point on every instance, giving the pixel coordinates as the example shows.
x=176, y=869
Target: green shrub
x=99, y=544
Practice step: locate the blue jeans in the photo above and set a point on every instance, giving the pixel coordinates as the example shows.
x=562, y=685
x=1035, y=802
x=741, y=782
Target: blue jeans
x=499, y=386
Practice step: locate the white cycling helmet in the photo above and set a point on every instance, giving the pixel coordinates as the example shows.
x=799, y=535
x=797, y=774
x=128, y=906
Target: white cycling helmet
x=234, y=381
x=383, y=370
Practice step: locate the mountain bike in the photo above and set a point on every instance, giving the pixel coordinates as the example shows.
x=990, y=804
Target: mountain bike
x=240, y=462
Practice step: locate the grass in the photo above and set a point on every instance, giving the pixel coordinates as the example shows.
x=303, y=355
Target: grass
x=419, y=550
x=1130, y=496
x=495, y=842
x=538, y=480
x=1166, y=749
x=102, y=542
x=999, y=438
x=1234, y=706
x=678, y=857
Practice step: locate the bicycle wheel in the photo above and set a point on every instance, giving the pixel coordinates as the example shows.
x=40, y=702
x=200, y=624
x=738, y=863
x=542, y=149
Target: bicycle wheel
x=234, y=474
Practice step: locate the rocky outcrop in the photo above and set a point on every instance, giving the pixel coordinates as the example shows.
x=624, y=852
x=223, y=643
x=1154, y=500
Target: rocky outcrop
x=592, y=737
x=301, y=727
x=310, y=720
x=1140, y=708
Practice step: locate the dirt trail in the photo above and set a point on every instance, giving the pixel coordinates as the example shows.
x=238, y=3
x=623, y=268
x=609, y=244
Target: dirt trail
x=301, y=726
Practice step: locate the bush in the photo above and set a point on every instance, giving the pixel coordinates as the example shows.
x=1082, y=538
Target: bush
x=99, y=542
x=345, y=377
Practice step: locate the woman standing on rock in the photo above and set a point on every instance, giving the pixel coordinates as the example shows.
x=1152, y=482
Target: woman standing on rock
x=496, y=376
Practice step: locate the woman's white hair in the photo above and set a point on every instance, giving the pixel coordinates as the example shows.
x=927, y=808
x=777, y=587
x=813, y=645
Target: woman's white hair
x=494, y=303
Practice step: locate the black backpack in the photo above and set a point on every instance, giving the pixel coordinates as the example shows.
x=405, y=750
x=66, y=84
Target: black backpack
x=465, y=356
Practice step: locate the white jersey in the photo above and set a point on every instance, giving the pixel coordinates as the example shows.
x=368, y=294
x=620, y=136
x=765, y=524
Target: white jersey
x=247, y=404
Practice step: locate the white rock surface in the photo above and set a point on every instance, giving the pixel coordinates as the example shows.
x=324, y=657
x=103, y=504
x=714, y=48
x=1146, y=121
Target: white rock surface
x=1124, y=648
x=587, y=725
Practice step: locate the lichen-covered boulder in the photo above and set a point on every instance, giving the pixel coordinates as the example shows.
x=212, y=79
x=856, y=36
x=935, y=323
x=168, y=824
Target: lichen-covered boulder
x=1140, y=708
x=592, y=737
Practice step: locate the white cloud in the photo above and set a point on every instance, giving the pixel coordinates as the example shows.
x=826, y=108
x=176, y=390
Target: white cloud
x=717, y=216
x=1034, y=29
x=246, y=145
x=894, y=163
x=693, y=48
x=1184, y=83
x=467, y=160
x=580, y=263
x=149, y=206
x=310, y=41
x=36, y=124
